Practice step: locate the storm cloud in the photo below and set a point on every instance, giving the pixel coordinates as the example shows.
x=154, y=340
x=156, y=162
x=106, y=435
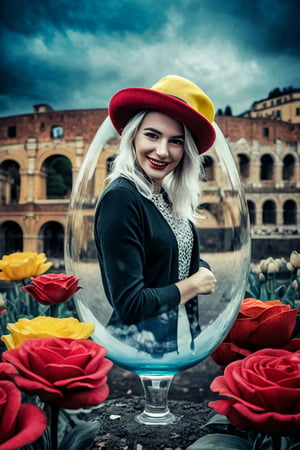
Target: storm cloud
x=75, y=55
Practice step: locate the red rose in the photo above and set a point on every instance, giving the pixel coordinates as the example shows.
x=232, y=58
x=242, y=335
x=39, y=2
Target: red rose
x=7, y=371
x=53, y=288
x=20, y=424
x=258, y=325
x=71, y=373
x=263, y=392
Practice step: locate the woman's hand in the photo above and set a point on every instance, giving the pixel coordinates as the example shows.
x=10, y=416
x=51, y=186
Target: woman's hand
x=201, y=282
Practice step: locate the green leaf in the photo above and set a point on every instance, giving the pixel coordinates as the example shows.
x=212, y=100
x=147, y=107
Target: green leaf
x=81, y=437
x=217, y=421
x=264, y=293
x=280, y=291
x=220, y=442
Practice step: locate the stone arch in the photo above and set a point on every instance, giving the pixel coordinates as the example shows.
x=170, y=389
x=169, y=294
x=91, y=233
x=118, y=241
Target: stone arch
x=269, y=212
x=290, y=212
x=209, y=167
x=288, y=167
x=244, y=165
x=267, y=167
x=252, y=212
x=109, y=163
x=10, y=182
x=11, y=238
x=52, y=236
x=58, y=176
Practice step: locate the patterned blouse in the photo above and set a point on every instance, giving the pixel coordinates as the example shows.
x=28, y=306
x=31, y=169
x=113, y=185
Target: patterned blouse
x=182, y=231
x=184, y=236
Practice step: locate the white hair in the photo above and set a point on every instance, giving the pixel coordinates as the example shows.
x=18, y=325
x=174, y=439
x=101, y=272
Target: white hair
x=182, y=184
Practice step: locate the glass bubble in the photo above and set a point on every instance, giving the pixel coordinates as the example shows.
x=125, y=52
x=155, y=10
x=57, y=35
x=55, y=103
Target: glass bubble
x=223, y=227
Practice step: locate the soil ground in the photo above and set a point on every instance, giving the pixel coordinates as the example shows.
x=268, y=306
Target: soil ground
x=188, y=398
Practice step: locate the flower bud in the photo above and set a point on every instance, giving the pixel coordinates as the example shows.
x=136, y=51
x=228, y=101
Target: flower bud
x=295, y=285
x=295, y=259
x=2, y=302
x=289, y=267
x=272, y=267
x=261, y=277
x=263, y=265
x=278, y=262
x=256, y=269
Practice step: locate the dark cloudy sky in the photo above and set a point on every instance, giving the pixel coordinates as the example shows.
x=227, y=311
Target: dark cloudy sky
x=76, y=54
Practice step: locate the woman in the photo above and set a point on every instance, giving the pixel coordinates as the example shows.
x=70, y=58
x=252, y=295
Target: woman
x=147, y=245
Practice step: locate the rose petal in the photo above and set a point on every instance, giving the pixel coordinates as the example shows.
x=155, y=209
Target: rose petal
x=10, y=401
x=31, y=424
x=84, y=398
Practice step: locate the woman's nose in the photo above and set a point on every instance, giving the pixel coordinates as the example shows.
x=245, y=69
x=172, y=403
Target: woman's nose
x=162, y=149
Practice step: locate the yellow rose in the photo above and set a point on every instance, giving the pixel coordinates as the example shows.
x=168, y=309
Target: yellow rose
x=44, y=327
x=21, y=265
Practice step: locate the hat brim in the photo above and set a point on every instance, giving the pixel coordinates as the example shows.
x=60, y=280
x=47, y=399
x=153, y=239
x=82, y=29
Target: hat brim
x=128, y=102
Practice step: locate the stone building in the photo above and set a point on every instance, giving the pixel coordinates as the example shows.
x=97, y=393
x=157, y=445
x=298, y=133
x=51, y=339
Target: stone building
x=41, y=154
x=280, y=105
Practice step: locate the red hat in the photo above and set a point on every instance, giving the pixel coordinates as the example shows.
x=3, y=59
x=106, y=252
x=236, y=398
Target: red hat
x=172, y=95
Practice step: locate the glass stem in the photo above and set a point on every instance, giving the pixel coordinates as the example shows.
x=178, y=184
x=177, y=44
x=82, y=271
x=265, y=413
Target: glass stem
x=156, y=389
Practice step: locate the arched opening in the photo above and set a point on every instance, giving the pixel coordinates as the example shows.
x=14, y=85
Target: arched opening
x=59, y=177
x=52, y=234
x=9, y=182
x=290, y=213
x=269, y=213
x=208, y=165
x=11, y=238
x=244, y=166
x=252, y=212
x=288, y=169
x=266, y=167
x=109, y=164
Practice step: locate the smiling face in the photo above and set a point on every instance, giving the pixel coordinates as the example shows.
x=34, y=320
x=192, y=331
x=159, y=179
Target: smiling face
x=159, y=145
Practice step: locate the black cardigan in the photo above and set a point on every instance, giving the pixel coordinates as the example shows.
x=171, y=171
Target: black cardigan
x=138, y=257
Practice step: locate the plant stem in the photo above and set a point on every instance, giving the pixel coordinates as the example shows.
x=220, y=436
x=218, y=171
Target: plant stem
x=53, y=310
x=276, y=442
x=54, y=413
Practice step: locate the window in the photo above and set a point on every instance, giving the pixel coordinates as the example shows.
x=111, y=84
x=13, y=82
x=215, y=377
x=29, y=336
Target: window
x=208, y=165
x=289, y=213
x=288, y=169
x=265, y=132
x=278, y=114
x=109, y=164
x=266, y=167
x=298, y=111
x=269, y=213
x=252, y=212
x=244, y=166
x=57, y=132
x=12, y=131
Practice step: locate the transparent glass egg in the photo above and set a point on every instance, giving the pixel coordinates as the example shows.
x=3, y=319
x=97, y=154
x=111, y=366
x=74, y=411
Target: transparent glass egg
x=223, y=228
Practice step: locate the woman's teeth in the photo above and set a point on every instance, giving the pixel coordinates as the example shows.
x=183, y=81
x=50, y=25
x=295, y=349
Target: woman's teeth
x=158, y=163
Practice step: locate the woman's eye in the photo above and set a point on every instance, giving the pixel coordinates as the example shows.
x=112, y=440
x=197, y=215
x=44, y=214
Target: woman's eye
x=177, y=142
x=151, y=135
